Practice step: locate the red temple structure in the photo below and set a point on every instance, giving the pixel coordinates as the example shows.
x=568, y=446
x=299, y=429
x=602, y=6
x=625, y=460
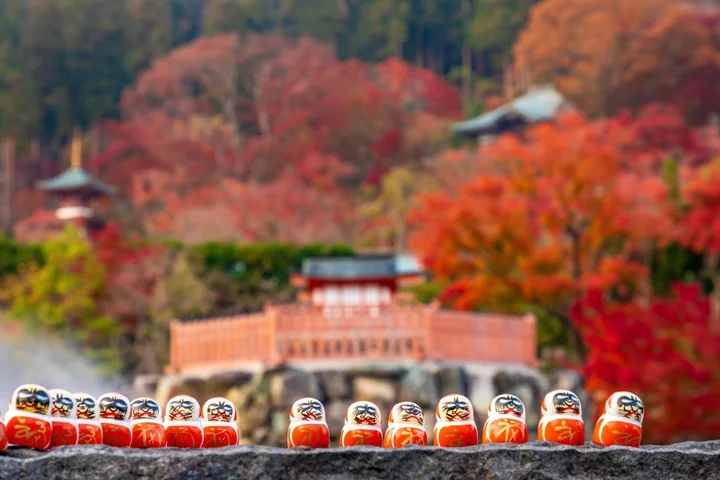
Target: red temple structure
x=351, y=309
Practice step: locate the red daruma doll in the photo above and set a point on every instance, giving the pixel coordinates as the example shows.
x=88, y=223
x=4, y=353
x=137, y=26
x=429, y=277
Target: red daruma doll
x=115, y=419
x=561, y=419
x=63, y=410
x=406, y=426
x=27, y=422
x=621, y=422
x=146, y=423
x=362, y=426
x=506, y=421
x=89, y=431
x=307, y=425
x=3, y=435
x=219, y=419
x=454, y=423
x=183, y=427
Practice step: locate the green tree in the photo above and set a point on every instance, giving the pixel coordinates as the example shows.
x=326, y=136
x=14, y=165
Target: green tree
x=18, y=109
x=378, y=29
x=147, y=32
x=76, y=58
x=388, y=210
x=64, y=295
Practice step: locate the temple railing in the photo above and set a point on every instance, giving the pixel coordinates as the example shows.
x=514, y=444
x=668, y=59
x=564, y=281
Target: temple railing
x=296, y=333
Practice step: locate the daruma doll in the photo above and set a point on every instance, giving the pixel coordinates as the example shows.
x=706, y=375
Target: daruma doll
x=3, y=435
x=146, y=424
x=406, y=426
x=89, y=430
x=63, y=413
x=561, y=419
x=454, y=423
x=362, y=426
x=183, y=428
x=115, y=419
x=219, y=419
x=308, y=427
x=27, y=422
x=621, y=421
x=506, y=421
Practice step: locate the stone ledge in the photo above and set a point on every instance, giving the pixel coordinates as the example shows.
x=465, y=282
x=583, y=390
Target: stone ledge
x=534, y=460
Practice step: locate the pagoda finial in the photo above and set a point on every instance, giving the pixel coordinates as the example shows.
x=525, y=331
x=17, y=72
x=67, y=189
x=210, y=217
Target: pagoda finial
x=76, y=151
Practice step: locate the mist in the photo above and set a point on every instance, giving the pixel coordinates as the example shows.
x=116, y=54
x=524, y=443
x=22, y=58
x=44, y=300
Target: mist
x=49, y=362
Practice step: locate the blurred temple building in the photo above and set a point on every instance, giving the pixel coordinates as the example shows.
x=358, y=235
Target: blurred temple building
x=74, y=191
x=351, y=309
x=539, y=104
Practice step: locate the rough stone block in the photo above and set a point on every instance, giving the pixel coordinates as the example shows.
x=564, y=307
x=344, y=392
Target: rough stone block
x=374, y=389
x=418, y=385
x=692, y=460
x=452, y=380
x=289, y=385
x=335, y=384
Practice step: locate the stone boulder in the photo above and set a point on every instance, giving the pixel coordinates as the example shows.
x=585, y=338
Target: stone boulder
x=690, y=460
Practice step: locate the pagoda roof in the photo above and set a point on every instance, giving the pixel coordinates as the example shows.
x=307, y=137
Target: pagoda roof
x=76, y=180
x=535, y=106
x=360, y=266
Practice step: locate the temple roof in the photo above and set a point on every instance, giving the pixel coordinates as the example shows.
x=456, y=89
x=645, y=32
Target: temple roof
x=536, y=106
x=76, y=180
x=361, y=266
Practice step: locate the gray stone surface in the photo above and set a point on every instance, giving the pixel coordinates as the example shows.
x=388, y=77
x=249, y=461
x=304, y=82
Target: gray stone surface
x=419, y=385
x=536, y=461
x=336, y=384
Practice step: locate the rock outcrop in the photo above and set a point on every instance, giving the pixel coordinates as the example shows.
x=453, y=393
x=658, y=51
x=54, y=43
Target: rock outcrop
x=692, y=460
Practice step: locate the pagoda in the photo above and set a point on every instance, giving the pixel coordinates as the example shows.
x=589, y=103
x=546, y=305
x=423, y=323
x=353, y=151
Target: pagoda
x=75, y=189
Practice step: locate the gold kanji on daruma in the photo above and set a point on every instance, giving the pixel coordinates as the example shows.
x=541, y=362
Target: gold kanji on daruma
x=27, y=422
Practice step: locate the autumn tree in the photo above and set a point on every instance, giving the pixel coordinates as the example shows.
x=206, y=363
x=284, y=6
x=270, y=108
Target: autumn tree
x=273, y=135
x=547, y=219
x=663, y=349
x=64, y=295
x=609, y=55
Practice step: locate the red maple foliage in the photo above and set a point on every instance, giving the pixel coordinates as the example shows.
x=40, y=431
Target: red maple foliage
x=664, y=350
x=264, y=138
x=547, y=218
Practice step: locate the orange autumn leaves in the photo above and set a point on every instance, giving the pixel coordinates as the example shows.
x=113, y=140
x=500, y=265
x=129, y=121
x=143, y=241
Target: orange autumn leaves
x=549, y=216
x=607, y=55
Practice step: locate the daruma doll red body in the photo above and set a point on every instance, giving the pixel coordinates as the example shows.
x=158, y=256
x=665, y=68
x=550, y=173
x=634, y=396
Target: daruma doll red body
x=406, y=426
x=308, y=427
x=219, y=419
x=3, y=435
x=561, y=419
x=27, y=422
x=454, y=423
x=183, y=428
x=506, y=421
x=146, y=423
x=89, y=430
x=63, y=412
x=362, y=426
x=115, y=419
x=621, y=422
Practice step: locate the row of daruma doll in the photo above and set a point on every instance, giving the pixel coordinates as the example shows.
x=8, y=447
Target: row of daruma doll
x=39, y=418
x=561, y=422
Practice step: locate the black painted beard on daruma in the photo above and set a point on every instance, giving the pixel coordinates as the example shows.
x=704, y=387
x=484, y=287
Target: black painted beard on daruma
x=509, y=405
x=365, y=415
x=33, y=400
x=220, y=412
x=566, y=402
x=113, y=408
